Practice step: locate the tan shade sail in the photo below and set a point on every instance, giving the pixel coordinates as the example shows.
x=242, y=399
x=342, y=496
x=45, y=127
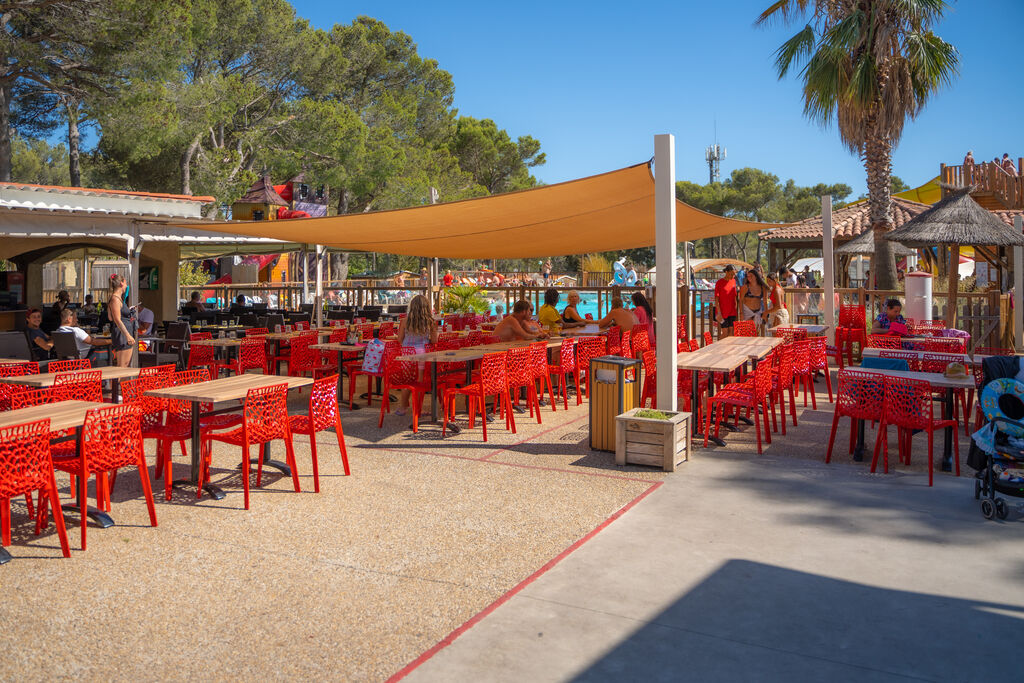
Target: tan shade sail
x=606, y=212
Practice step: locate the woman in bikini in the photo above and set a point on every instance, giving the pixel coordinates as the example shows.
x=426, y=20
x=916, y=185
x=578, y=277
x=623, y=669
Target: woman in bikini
x=751, y=296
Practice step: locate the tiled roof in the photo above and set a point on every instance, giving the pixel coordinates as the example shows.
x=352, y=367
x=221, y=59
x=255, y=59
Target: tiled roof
x=848, y=221
x=1007, y=216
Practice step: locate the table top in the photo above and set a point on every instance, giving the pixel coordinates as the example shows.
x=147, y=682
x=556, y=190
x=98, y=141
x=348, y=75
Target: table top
x=589, y=330
x=811, y=329
x=936, y=379
x=285, y=336
x=873, y=352
x=472, y=352
x=338, y=346
x=14, y=360
x=725, y=355
x=62, y=414
x=46, y=379
x=222, y=341
x=228, y=388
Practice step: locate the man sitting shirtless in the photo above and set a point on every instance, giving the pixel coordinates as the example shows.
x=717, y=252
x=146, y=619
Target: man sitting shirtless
x=618, y=316
x=518, y=325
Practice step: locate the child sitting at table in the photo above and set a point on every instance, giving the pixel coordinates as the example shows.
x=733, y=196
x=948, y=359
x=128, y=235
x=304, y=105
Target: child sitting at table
x=891, y=316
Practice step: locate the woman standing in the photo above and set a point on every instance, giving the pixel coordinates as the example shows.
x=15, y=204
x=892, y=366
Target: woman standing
x=644, y=315
x=752, y=295
x=122, y=322
x=417, y=330
x=777, y=313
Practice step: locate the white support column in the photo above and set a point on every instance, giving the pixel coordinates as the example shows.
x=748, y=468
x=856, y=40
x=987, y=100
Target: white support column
x=665, y=260
x=134, y=247
x=828, y=267
x=318, y=300
x=305, y=274
x=1018, y=288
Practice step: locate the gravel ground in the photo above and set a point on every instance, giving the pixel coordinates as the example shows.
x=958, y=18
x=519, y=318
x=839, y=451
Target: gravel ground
x=350, y=584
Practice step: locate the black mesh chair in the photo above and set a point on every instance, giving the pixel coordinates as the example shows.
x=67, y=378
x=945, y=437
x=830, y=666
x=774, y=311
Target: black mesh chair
x=15, y=345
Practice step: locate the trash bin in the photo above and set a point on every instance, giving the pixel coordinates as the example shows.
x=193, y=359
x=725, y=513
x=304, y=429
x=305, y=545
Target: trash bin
x=614, y=389
x=918, y=288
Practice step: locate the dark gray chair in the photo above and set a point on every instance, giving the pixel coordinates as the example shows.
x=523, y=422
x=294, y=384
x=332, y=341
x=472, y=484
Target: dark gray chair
x=15, y=345
x=274, y=319
x=64, y=345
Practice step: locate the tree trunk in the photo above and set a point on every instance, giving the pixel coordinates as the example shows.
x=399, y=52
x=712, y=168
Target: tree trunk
x=339, y=266
x=878, y=164
x=5, y=133
x=74, y=142
x=186, y=166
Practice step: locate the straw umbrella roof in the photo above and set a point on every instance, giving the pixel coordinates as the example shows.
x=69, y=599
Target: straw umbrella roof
x=956, y=219
x=864, y=243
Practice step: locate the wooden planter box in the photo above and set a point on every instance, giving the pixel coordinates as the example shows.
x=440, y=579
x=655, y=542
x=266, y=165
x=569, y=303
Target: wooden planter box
x=658, y=443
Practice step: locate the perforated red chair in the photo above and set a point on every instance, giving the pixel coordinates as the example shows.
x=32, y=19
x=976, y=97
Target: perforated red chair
x=386, y=330
x=614, y=341
x=859, y=396
x=305, y=360
x=25, y=467
x=79, y=386
x=783, y=381
x=202, y=356
x=851, y=329
x=802, y=372
x=264, y=419
x=14, y=370
x=493, y=382
x=910, y=408
x=323, y=414
x=885, y=341
x=744, y=328
x=753, y=396
x=256, y=332
x=69, y=365
x=539, y=371
x=521, y=376
x=938, y=362
x=790, y=334
x=566, y=367
x=626, y=345
x=913, y=359
x=402, y=375
x=252, y=355
x=817, y=356
x=708, y=339
x=682, y=330
x=641, y=343
x=157, y=370
x=111, y=439
x=587, y=348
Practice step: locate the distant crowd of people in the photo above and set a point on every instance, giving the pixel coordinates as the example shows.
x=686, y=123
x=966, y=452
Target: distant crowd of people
x=1005, y=164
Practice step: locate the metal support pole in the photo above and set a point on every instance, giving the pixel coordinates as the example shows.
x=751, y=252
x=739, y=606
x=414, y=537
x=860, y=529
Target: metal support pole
x=828, y=267
x=665, y=260
x=305, y=274
x=318, y=300
x=687, y=310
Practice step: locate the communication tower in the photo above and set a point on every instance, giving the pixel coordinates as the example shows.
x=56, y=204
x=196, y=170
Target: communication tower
x=714, y=155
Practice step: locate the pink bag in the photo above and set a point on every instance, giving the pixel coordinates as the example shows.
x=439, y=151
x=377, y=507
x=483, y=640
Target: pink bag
x=373, y=357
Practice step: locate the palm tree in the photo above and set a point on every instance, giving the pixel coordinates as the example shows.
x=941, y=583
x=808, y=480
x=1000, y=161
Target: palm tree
x=868, y=65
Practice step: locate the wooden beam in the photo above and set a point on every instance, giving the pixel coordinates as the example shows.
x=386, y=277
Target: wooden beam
x=954, y=280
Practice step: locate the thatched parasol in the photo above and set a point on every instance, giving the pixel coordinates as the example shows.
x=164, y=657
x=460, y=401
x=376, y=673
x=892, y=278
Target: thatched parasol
x=864, y=245
x=957, y=220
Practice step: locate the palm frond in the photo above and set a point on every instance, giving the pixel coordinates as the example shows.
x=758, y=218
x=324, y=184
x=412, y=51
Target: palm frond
x=920, y=13
x=783, y=11
x=794, y=50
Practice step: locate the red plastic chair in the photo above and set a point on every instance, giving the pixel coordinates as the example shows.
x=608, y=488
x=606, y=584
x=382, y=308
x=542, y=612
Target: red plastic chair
x=913, y=359
x=790, y=334
x=264, y=419
x=305, y=360
x=257, y=332
x=943, y=345
x=587, y=348
x=650, y=385
x=641, y=343
x=400, y=375
x=851, y=329
x=365, y=331
x=386, y=330
x=69, y=365
x=26, y=466
x=301, y=325
x=539, y=370
x=111, y=439
x=859, y=396
x=783, y=381
x=566, y=367
x=708, y=339
x=355, y=371
x=33, y=397
x=201, y=356
x=493, y=381
x=521, y=376
x=884, y=341
x=753, y=397
x=79, y=386
x=818, y=359
x=938, y=362
x=909, y=407
x=323, y=414
x=14, y=370
x=802, y=371
x=157, y=370
x=614, y=341
x=682, y=331
x=744, y=328
x=252, y=355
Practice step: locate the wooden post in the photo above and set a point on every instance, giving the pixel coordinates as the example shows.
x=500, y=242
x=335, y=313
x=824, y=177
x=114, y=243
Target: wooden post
x=1018, y=288
x=828, y=267
x=954, y=279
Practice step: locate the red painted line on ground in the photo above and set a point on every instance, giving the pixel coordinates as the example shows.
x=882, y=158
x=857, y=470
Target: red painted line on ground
x=479, y=616
x=531, y=438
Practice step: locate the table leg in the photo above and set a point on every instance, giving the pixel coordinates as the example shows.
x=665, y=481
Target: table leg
x=711, y=392
x=5, y=556
x=267, y=462
x=947, y=446
x=115, y=391
x=858, y=450
x=215, y=491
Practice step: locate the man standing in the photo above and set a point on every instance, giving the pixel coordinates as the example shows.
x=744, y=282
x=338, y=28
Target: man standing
x=449, y=279
x=725, y=301
x=809, y=277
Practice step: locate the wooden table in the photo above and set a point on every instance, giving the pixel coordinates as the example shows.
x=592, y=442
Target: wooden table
x=109, y=373
x=588, y=330
x=223, y=390
x=15, y=360
x=62, y=415
x=872, y=352
x=726, y=356
x=938, y=381
x=812, y=330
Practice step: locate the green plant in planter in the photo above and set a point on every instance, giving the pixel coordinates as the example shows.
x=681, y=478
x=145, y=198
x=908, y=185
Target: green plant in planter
x=649, y=414
x=464, y=299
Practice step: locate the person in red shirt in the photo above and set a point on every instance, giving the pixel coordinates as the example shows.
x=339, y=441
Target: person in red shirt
x=449, y=279
x=725, y=301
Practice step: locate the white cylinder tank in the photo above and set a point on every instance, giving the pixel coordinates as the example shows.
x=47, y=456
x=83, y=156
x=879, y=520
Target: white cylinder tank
x=918, y=304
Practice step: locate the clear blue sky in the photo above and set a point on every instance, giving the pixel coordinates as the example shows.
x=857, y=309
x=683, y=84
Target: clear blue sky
x=595, y=81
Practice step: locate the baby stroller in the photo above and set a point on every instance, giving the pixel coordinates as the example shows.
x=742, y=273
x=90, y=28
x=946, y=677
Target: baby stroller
x=997, y=449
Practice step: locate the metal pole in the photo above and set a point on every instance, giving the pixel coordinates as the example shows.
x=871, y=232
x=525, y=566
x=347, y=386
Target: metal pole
x=305, y=274
x=687, y=310
x=828, y=267
x=318, y=300
x=665, y=260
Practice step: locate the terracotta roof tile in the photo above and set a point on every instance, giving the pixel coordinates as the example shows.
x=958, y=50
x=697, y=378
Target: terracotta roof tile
x=848, y=221
x=1007, y=216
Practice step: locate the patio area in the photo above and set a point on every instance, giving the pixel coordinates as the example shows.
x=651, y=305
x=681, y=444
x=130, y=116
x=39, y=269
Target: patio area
x=359, y=581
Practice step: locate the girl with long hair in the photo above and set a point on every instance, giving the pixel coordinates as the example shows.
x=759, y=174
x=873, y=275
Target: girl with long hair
x=644, y=314
x=752, y=296
x=417, y=329
x=122, y=338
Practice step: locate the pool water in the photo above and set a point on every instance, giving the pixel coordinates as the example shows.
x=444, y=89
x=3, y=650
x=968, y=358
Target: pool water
x=586, y=305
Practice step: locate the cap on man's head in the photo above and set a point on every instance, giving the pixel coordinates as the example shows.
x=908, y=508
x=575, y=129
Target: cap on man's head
x=728, y=267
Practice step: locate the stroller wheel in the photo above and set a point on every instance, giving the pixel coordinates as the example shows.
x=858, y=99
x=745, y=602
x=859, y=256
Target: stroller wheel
x=988, y=509
x=1002, y=509
x=977, y=489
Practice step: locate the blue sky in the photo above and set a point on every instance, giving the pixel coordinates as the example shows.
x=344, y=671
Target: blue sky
x=595, y=81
